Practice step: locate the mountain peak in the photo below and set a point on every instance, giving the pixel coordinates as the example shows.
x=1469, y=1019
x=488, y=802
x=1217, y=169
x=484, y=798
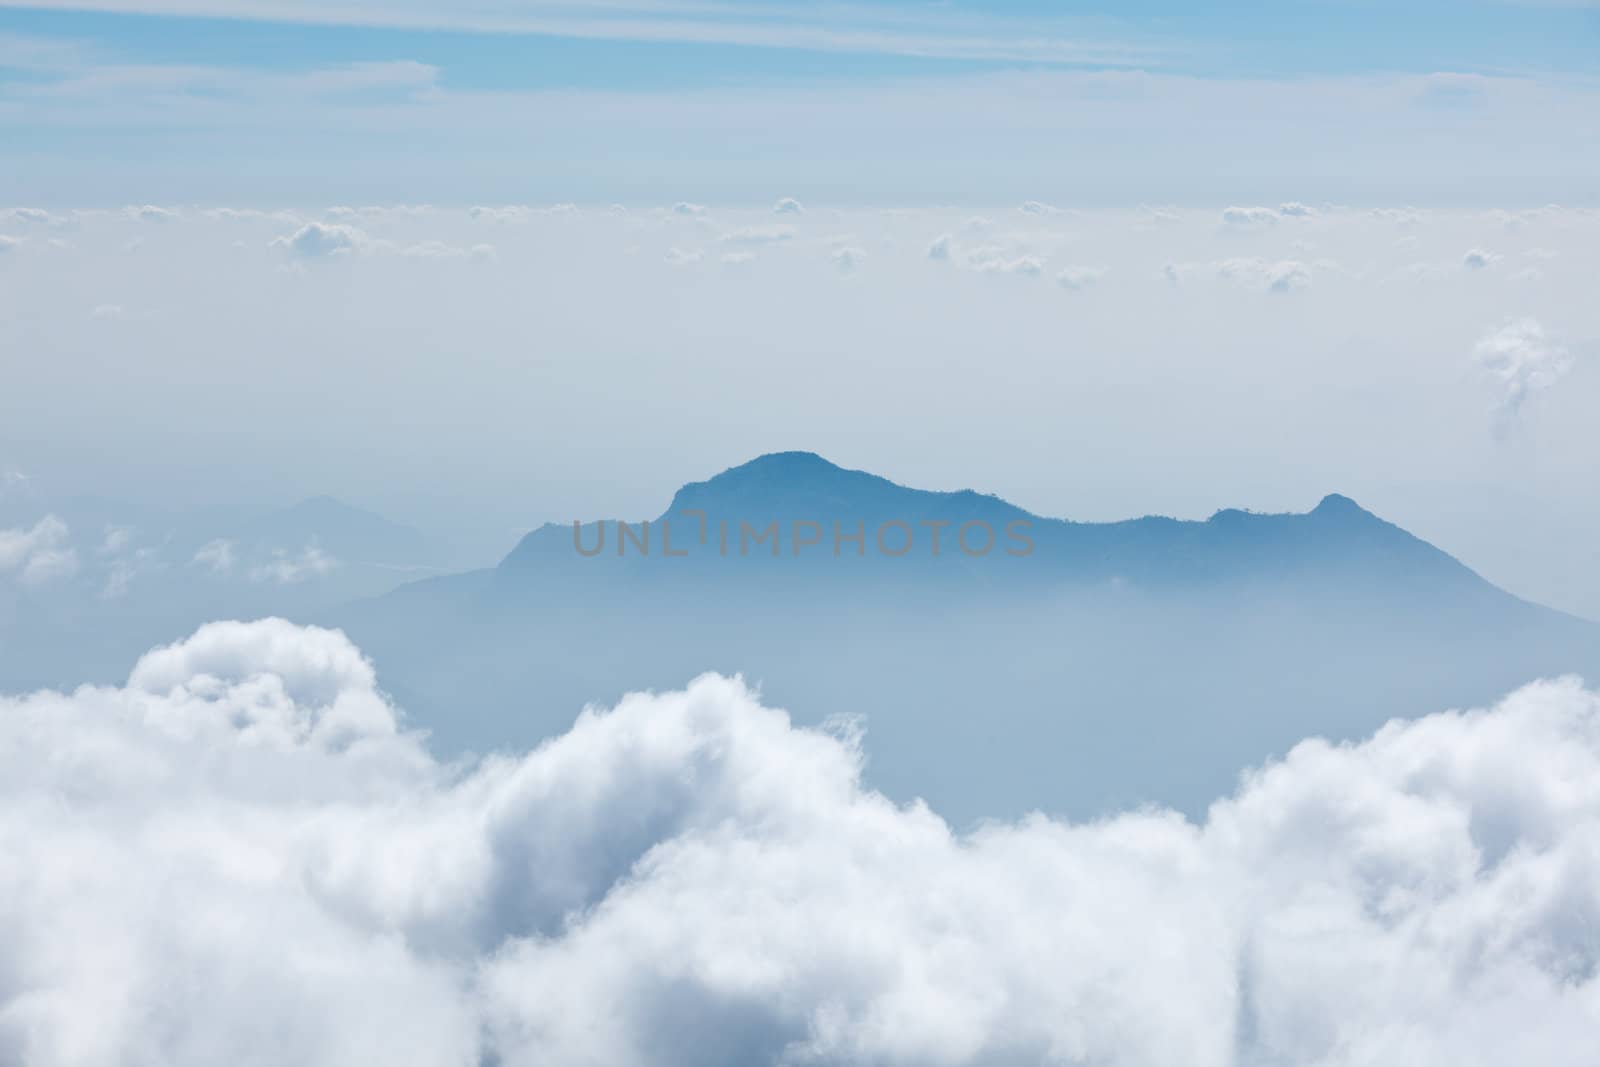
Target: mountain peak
x=790, y=469
x=1337, y=504
x=794, y=460
x=781, y=481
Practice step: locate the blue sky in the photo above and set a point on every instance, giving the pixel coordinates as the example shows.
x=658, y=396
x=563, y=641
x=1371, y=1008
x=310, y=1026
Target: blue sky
x=207, y=100
x=648, y=45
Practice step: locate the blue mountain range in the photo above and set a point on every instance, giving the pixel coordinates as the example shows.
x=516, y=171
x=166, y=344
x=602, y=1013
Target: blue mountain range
x=1109, y=664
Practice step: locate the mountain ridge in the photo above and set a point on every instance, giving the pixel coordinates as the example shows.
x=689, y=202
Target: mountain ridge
x=1143, y=660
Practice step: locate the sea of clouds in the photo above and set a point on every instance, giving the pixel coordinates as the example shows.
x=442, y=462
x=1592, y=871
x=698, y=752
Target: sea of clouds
x=440, y=364
x=244, y=856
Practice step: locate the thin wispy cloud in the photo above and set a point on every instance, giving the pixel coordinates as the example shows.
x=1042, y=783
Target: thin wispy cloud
x=863, y=28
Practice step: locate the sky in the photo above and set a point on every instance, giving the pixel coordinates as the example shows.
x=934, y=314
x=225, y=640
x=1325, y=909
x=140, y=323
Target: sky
x=484, y=264
x=488, y=264
x=478, y=370
x=212, y=101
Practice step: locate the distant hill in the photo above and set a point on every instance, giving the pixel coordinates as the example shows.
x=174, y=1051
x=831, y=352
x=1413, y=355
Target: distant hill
x=142, y=578
x=346, y=532
x=1110, y=663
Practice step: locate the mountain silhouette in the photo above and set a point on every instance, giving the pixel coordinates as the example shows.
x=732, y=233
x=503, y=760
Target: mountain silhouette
x=1111, y=664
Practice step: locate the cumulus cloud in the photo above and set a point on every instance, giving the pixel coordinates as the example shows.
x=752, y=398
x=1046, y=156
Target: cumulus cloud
x=328, y=240
x=518, y=212
x=1521, y=360
x=758, y=235
x=250, y=214
x=1273, y=276
x=1038, y=207
x=683, y=207
x=848, y=258
x=1399, y=216
x=8, y=243
x=445, y=250
x=39, y=553
x=939, y=247
x=377, y=211
x=1477, y=259
x=1249, y=218
x=151, y=213
x=290, y=568
x=321, y=240
x=683, y=257
x=1153, y=217
x=34, y=215
x=1296, y=210
x=995, y=261
x=788, y=205
x=242, y=854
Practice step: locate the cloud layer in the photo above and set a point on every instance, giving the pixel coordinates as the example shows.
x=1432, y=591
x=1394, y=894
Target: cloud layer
x=242, y=855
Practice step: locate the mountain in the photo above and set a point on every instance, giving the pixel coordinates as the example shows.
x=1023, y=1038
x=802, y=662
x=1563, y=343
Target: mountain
x=346, y=532
x=1023, y=662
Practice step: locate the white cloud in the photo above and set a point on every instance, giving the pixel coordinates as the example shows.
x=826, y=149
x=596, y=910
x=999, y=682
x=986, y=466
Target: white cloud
x=873, y=31
x=33, y=215
x=1038, y=207
x=683, y=207
x=1249, y=218
x=1296, y=210
x=1153, y=217
x=788, y=205
x=106, y=311
x=1477, y=259
x=848, y=258
x=327, y=240
x=758, y=235
x=434, y=249
x=1521, y=360
x=116, y=540
x=1273, y=276
x=123, y=562
x=519, y=212
x=241, y=855
x=38, y=554
x=151, y=213
x=8, y=243
x=290, y=568
x=1399, y=216
x=939, y=247
x=379, y=212
x=683, y=257
x=993, y=261
x=250, y=214
x=1287, y=275
x=320, y=240
x=216, y=556
x=1079, y=278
